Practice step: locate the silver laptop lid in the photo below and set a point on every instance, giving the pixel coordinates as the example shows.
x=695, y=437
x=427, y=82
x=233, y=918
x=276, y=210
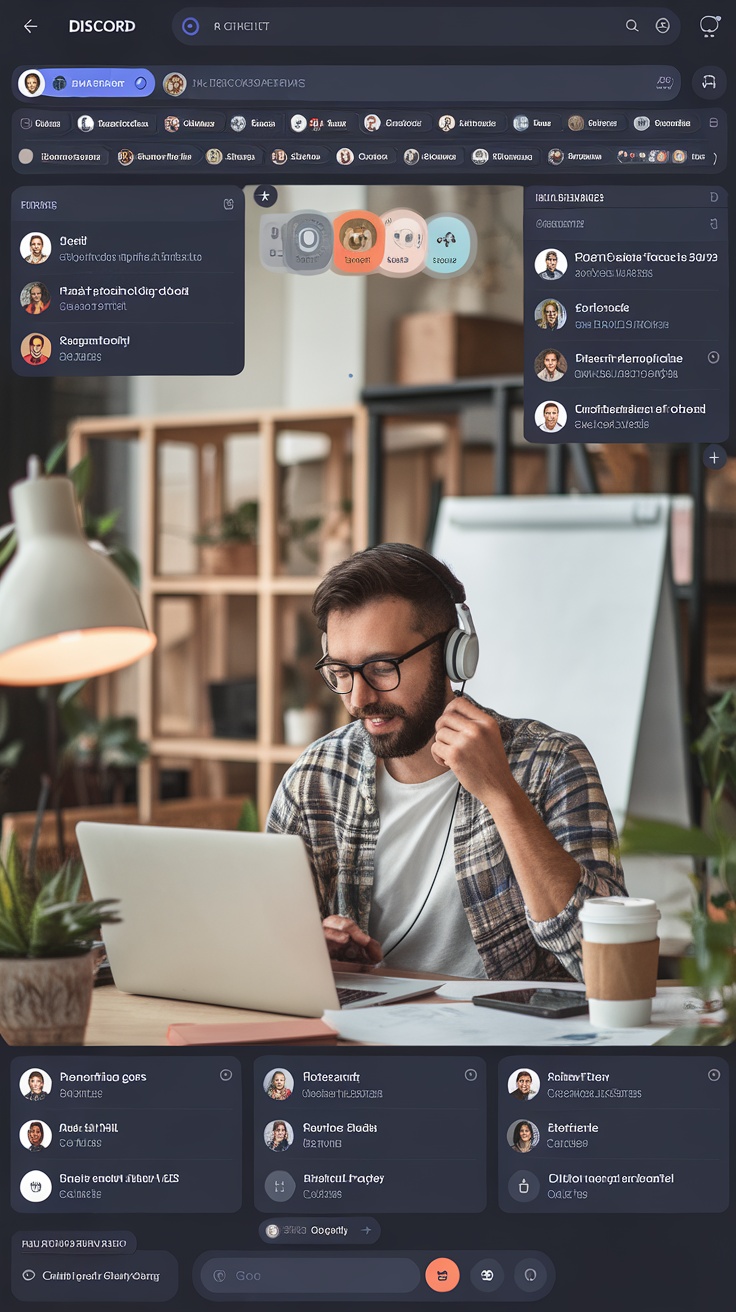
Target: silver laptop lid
x=211, y=916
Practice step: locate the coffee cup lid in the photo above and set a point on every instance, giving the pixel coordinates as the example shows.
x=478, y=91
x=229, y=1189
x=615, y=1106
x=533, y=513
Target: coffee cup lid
x=618, y=910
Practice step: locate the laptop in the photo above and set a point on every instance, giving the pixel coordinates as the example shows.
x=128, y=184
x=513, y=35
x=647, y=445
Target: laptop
x=229, y=918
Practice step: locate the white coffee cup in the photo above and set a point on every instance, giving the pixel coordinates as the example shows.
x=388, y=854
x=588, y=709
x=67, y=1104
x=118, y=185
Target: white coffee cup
x=619, y=920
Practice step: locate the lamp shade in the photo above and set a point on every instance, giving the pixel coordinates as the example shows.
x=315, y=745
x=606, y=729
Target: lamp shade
x=66, y=611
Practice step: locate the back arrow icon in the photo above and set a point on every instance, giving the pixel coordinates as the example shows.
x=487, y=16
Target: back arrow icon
x=30, y=25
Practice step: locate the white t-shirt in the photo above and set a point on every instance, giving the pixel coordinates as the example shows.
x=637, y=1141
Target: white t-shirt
x=414, y=820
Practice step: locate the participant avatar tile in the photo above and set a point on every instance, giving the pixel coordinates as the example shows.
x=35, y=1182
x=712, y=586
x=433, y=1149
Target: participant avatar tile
x=174, y=84
x=35, y=247
x=31, y=83
x=307, y=242
x=452, y=243
x=359, y=242
x=35, y=298
x=36, y=349
x=406, y=243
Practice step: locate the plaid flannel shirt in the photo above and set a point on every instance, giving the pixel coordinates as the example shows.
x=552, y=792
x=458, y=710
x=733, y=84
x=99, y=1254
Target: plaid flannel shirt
x=328, y=798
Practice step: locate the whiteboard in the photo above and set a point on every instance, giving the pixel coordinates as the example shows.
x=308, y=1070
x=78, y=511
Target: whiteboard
x=572, y=601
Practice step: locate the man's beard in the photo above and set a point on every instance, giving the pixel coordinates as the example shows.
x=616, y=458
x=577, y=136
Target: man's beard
x=417, y=730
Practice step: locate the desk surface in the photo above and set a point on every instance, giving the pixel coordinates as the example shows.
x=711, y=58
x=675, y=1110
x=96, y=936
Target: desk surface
x=129, y=1020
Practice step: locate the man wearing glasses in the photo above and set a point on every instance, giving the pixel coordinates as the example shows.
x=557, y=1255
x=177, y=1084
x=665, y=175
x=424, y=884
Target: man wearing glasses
x=441, y=835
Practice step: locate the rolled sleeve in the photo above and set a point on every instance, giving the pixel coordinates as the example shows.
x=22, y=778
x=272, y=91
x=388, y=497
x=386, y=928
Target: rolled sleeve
x=577, y=814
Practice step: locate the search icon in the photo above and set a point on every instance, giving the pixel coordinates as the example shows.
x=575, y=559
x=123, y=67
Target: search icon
x=631, y=25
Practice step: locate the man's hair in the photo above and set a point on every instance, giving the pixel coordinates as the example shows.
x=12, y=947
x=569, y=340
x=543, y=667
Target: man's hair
x=33, y=1075
x=551, y=405
x=36, y=337
x=550, y=253
x=393, y=569
x=35, y=236
x=553, y=352
x=527, y=1073
x=35, y=1125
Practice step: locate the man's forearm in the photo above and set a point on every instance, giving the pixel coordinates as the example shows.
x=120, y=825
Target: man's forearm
x=546, y=873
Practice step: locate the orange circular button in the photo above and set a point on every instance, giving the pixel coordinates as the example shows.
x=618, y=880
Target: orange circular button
x=442, y=1274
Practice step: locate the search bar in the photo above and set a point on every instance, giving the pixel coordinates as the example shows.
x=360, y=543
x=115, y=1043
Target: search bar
x=462, y=25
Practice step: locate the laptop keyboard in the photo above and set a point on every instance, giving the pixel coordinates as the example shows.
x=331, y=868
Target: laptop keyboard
x=344, y=996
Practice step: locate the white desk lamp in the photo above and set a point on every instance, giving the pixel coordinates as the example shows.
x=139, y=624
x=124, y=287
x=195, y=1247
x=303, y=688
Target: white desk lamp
x=66, y=611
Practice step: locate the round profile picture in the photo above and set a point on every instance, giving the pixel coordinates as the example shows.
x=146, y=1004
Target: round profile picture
x=35, y=1084
x=576, y=122
x=521, y=122
x=550, y=366
x=278, y=1136
x=550, y=264
x=679, y=156
x=213, y=155
x=272, y=1230
x=35, y=297
x=358, y=235
x=371, y=122
x=35, y=248
x=171, y=123
x=298, y=123
x=237, y=123
x=480, y=155
x=523, y=1084
x=550, y=315
x=279, y=156
x=522, y=1136
x=279, y=1084
x=550, y=416
x=36, y=349
x=555, y=156
x=31, y=83
x=125, y=157
x=446, y=123
x=345, y=155
x=174, y=84
x=642, y=122
x=411, y=156
x=85, y=123
x=35, y=1136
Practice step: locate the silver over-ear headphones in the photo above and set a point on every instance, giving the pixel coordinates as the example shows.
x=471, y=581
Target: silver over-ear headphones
x=461, y=645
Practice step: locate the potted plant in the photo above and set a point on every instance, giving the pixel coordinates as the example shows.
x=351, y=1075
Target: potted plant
x=229, y=545
x=711, y=968
x=46, y=957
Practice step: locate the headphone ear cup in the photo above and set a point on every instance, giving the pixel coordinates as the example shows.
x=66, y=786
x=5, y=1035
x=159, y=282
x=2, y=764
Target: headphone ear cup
x=461, y=655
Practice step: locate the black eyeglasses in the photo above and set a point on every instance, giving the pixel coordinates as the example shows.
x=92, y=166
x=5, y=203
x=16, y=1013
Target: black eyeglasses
x=382, y=674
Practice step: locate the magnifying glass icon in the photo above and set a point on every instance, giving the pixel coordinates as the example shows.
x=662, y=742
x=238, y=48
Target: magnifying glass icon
x=631, y=25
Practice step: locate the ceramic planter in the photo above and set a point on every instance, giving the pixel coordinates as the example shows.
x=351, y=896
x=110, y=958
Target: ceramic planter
x=45, y=1001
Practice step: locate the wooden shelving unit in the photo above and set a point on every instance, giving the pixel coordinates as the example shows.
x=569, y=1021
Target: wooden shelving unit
x=230, y=626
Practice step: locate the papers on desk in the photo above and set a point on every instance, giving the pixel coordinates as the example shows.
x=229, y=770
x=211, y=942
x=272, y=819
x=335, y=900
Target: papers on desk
x=454, y=1024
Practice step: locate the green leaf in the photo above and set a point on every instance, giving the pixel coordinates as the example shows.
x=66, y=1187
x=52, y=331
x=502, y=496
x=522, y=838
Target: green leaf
x=10, y=542
x=648, y=837
x=81, y=477
x=69, y=691
x=54, y=456
x=248, y=818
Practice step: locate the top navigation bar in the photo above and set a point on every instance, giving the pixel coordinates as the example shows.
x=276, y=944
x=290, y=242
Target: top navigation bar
x=451, y=25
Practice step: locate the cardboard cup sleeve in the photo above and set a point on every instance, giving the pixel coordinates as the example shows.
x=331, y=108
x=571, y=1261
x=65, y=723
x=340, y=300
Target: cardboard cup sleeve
x=620, y=972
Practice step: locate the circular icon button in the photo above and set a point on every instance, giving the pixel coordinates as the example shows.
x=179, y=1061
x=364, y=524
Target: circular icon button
x=714, y=357
x=35, y=1187
x=265, y=196
x=487, y=1275
x=714, y=1075
x=531, y=1275
x=523, y=1186
x=189, y=26
x=29, y=1275
x=471, y=1075
x=280, y=1186
x=709, y=83
x=442, y=1274
x=226, y=1075
x=714, y=457
x=663, y=26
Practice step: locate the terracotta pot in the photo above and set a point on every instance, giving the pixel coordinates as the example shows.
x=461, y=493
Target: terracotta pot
x=229, y=558
x=45, y=1001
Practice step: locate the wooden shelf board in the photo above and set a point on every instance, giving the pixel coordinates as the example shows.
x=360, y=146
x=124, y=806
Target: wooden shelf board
x=224, y=749
x=217, y=585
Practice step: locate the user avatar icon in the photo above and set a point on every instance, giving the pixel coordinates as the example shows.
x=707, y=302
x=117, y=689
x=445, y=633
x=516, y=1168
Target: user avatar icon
x=35, y=1085
x=550, y=265
x=523, y=1085
x=555, y=156
x=480, y=155
x=125, y=157
x=550, y=315
x=345, y=155
x=171, y=123
x=411, y=156
x=31, y=83
x=550, y=417
x=35, y=1136
x=35, y=248
x=371, y=122
x=521, y=122
x=278, y=156
x=213, y=155
x=35, y=349
x=446, y=123
x=576, y=122
x=522, y=1136
x=642, y=122
x=298, y=123
x=278, y=1136
x=237, y=123
x=175, y=84
x=35, y=298
x=279, y=1085
x=85, y=123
